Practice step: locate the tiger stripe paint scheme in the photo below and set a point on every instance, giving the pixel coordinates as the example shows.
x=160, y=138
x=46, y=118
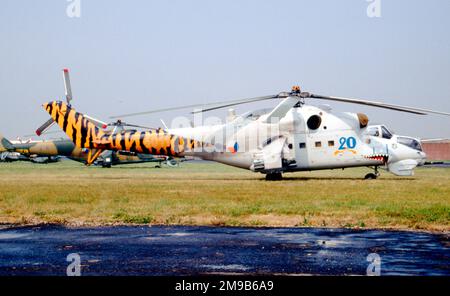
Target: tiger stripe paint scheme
x=86, y=135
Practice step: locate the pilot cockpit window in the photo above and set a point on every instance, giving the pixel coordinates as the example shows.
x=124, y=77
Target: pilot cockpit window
x=386, y=133
x=373, y=131
x=410, y=142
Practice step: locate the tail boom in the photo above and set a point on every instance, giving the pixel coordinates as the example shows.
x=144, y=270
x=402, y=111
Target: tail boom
x=86, y=135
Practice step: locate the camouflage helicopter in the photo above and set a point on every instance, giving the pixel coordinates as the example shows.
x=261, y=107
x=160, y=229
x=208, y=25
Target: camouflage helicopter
x=293, y=136
x=52, y=151
x=28, y=150
x=12, y=156
x=7, y=153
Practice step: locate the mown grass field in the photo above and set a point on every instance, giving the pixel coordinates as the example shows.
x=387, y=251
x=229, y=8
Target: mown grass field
x=200, y=193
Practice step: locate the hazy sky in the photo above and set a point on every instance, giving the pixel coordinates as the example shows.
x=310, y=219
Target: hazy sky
x=129, y=56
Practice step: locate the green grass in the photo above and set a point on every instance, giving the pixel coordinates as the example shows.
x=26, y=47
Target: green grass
x=214, y=194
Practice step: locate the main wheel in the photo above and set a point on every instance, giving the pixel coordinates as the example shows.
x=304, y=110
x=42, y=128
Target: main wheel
x=370, y=176
x=274, y=177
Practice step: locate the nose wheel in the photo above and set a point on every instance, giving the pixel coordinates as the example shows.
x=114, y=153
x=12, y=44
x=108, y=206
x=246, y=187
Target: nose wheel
x=372, y=176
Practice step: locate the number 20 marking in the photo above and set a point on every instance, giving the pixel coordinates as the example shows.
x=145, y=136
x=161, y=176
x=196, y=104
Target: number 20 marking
x=347, y=143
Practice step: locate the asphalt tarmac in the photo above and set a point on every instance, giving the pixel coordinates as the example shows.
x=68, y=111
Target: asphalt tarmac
x=184, y=250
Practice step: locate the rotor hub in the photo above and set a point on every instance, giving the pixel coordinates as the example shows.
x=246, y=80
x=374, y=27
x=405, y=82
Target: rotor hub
x=296, y=89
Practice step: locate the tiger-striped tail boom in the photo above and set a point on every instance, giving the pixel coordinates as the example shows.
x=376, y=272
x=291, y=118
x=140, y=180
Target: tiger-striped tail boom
x=86, y=135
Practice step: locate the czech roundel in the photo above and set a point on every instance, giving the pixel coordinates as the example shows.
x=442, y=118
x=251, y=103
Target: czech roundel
x=234, y=149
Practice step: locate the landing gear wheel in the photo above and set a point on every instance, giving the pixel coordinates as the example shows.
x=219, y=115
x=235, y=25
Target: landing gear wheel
x=374, y=175
x=371, y=176
x=274, y=177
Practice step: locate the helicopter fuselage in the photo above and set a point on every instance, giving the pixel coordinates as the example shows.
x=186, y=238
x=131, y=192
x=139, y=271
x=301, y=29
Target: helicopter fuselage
x=306, y=138
x=289, y=138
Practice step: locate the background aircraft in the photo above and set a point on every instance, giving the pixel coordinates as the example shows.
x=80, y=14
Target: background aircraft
x=53, y=150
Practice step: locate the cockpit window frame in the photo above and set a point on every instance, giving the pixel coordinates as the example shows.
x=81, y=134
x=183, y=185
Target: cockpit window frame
x=386, y=133
x=373, y=131
x=410, y=142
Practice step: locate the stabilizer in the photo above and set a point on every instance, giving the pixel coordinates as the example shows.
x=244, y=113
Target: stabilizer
x=5, y=145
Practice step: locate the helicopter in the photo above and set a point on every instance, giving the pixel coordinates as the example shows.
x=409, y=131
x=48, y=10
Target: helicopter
x=293, y=136
x=65, y=147
x=49, y=151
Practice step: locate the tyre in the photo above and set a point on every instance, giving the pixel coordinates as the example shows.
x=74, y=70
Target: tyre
x=370, y=176
x=274, y=177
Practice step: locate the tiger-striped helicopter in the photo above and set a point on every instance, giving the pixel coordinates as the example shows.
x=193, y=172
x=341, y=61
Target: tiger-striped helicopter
x=65, y=147
x=293, y=136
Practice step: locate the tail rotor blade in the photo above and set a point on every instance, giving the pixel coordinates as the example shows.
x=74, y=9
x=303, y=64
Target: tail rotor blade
x=96, y=122
x=67, y=86
x=45, y=127
x=46, y=133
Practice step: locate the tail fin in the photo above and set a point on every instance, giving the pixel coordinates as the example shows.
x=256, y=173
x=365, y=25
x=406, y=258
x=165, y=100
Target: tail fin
x=5, y=145
x=76, y=125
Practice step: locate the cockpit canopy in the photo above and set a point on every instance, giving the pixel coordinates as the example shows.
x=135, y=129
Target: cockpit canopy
x=410, y=142
x=379, y=131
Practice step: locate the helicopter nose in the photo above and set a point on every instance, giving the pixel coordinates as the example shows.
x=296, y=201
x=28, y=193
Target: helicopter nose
x=422, y=158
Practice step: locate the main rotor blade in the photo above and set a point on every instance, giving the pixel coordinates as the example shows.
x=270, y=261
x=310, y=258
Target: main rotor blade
x=134, y=125
x=303, y=95
x=400, y=108
x=156, y=111
x=217, y=105
x=238, y=102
